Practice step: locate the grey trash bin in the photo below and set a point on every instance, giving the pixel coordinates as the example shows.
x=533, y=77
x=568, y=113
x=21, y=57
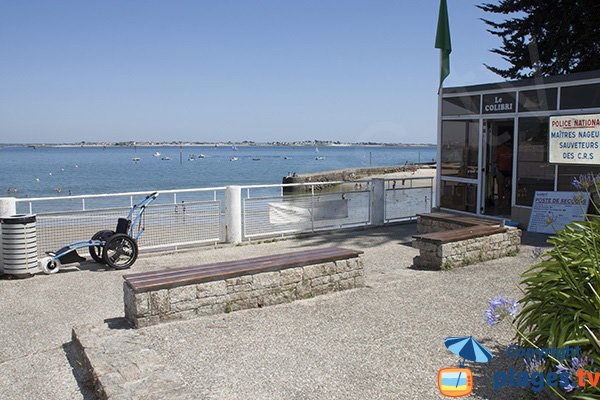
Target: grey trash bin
x=19, y=245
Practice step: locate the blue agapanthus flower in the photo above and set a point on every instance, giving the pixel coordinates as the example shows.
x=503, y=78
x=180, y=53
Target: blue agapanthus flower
x=534, y=364
x=571, y=368
x=585, y=181
x=500, y=308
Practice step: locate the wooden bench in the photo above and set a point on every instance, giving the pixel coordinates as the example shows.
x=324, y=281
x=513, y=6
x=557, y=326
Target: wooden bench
x=456, y=235
x=188, y=292
x=444, y=221
x=468, y=245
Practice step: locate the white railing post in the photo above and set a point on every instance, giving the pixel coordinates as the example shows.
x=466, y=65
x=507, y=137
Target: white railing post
x=432, y=201
x=8, y=207
x=233, y=214
x=377, y=202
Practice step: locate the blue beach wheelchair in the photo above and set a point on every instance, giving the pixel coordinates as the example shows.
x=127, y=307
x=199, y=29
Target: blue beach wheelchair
x=118, y=249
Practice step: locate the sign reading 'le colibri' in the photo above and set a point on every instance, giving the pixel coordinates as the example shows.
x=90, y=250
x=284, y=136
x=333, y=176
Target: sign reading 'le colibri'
x=499, y=103
x=574, y=139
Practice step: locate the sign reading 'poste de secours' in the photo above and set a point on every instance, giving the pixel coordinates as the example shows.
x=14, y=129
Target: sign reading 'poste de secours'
x=551, y=211
x=574, y=139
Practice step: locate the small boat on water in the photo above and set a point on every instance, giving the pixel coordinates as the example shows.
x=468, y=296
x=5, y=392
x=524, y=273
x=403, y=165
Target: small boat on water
x=287, y=158
x=157, y=154
x=201, y=156
x=233, y=159
x=166, y=158
x=136, y=159
x=256, y=159
x=320, y=158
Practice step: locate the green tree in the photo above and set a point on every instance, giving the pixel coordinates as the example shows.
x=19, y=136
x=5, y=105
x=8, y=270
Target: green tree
x=545, y=37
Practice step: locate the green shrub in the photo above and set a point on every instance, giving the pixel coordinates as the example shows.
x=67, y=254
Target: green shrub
x=561, y=302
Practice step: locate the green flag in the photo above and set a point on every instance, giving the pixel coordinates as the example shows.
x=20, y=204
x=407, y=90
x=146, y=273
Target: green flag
x=442, y=41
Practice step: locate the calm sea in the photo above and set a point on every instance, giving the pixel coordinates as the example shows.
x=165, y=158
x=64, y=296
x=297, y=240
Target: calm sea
x=86, y=170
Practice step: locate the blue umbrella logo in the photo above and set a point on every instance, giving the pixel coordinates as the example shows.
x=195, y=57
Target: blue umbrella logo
x=458, y=382
x=468, y=348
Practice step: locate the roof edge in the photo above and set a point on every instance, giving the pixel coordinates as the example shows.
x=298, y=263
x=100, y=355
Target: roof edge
x=554, y=79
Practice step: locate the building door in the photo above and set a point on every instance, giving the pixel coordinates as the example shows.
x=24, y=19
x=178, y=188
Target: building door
x=496, y=190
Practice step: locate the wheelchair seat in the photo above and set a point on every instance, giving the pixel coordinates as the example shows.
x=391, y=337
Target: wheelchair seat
x=123, y=225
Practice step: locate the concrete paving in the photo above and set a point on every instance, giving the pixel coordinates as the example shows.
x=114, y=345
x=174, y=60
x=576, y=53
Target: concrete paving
x=384, y=341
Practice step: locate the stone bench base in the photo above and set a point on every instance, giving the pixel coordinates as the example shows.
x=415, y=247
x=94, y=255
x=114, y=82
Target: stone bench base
x=436, y=255
x=243, y=292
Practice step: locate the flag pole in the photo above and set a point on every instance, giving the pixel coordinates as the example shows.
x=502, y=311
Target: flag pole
x=442, y=42
x=438, y=162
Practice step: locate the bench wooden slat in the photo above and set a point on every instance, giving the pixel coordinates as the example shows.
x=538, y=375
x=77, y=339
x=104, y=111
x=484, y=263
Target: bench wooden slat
x=257, y=262
x=459, y=219
x=233, y=262
x=456, y=235
x=229, y=266
x=221, y=270
x=225, y=264
x=163, y=279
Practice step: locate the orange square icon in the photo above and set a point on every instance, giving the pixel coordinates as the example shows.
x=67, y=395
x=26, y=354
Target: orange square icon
x=455, y=382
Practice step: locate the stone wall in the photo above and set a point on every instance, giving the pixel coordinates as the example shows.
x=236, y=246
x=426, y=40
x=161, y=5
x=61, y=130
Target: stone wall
x=247, y=291
x=436, y=255
x=346, y=175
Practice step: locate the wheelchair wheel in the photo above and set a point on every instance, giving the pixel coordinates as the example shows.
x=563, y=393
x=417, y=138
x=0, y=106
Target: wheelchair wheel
x=120, y=251
x=97, y=251
x=49, y=265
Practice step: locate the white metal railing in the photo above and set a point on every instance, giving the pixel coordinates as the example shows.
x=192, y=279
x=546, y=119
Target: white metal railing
x=172, y=193
x=184, y=217
x=407, y=197
x=323, y=205
x=193, y=217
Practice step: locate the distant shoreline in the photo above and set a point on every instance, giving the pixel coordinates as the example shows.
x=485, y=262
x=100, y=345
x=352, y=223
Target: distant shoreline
x=219, y=144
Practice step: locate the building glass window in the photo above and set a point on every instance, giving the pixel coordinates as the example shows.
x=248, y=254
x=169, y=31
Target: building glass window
x=533, y=171
x=582, y=96
x=460, y=145
x=566, y=173
x=463, y=105
x=537, y=100
x=458, y=196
